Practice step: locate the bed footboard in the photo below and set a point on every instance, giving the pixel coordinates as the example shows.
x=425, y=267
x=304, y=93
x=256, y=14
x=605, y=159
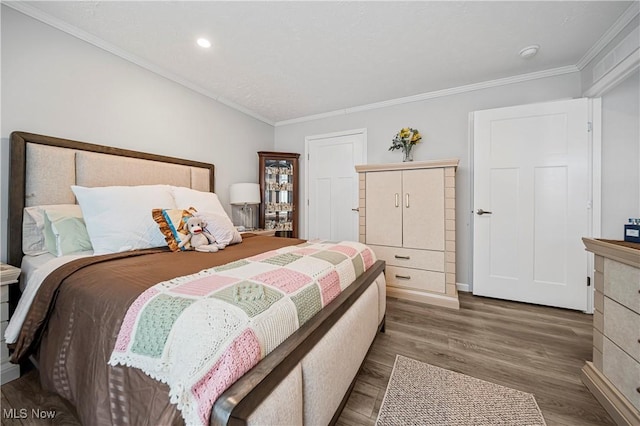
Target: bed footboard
x=236, y=405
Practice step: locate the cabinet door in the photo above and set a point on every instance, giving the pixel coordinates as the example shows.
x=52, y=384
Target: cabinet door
x=423, y=209
x=279, y=187
x=384, y=208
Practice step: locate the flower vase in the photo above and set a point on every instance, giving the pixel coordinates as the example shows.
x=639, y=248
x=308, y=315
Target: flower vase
x=407, y=153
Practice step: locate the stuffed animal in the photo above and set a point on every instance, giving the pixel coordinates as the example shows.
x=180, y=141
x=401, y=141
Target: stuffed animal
x=199, y=239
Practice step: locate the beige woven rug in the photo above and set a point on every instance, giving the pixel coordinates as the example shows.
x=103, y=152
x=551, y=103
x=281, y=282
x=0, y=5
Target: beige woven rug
x=425, y=395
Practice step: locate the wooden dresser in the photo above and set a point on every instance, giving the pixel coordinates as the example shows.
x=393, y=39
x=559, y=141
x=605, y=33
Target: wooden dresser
x=614, y=375
x=407, y=216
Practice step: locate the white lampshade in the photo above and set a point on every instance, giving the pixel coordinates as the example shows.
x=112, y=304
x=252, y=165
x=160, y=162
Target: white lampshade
x=244, y=193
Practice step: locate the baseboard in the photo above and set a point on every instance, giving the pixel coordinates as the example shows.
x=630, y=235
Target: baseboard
x=9, y=372
x=618, y=407
x=463, y=287
x=424, y=297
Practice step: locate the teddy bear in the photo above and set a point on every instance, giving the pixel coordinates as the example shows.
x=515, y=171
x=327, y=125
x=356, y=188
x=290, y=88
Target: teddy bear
x=199, y=239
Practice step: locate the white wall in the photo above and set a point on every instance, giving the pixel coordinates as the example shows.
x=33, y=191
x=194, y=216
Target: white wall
x=443, y=122
x=57, y=85
x=620, y=184
x=620, y=156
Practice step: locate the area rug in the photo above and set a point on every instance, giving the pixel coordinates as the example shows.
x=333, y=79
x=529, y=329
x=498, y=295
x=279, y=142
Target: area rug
x=422, y=394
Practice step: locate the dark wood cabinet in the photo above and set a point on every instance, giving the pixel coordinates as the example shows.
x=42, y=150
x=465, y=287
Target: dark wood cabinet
x=279, y=192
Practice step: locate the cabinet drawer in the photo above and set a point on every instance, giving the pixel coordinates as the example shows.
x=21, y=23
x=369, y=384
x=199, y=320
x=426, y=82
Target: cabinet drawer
x=622, y=370
x=622, y=284
x=411, y=258
x=4, y=311
x=416, y=279
x=4, y=293
x=622, y=326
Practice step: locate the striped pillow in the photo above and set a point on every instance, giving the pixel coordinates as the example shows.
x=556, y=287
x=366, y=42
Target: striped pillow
x=172, y=225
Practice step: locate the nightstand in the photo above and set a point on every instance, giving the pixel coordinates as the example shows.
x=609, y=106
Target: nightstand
x=263, y=232
x=8, y=277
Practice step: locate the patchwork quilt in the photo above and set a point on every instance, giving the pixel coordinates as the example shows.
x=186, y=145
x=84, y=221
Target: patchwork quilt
x=199, y=333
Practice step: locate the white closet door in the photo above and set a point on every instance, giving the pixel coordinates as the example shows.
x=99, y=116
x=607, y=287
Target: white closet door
x=333, y=185
x=384, y=208
x=423, y=209
x=532, y=201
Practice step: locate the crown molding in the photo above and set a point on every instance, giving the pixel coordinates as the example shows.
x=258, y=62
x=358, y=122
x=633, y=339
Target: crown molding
x=624, y=19
x=436, y=94
x=615, y=76
x=35, y=13
x=616, y=28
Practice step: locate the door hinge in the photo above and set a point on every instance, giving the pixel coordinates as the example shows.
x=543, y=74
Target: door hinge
x=308, y=156
x=588, y=281
x=589, y=126
x=307, y=201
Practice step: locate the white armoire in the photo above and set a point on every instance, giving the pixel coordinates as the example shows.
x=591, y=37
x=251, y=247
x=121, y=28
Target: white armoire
x=407, y=216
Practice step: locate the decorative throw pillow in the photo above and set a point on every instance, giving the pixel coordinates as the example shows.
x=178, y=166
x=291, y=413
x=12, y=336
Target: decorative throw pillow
x=172, y=225
x=65, y=234
x=33, y=243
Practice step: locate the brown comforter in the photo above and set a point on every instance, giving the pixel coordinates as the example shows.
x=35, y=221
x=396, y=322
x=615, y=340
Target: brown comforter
x=75, y=319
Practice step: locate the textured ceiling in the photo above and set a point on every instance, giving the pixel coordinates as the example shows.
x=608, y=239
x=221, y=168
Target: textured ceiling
x=284, y=60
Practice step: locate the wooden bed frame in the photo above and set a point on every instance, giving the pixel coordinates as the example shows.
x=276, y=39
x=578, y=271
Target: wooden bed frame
x=237, y=403
x=18, y=172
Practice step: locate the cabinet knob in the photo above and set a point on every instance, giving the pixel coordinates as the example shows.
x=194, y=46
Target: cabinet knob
x=402, y=257
x=403, y=277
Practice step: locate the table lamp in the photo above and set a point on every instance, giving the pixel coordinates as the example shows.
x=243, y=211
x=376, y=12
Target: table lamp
x=246, y=195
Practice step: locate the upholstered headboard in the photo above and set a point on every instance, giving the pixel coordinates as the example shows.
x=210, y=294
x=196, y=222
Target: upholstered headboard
x=43, y=168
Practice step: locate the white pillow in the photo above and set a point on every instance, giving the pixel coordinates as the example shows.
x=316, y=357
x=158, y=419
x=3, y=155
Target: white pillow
x=119, y=218
x=220, y=227
x=201, y=201
x=33, y=225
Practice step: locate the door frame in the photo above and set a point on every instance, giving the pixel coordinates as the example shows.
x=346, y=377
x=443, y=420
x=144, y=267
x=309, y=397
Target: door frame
x=595, y=189
x=314, y=138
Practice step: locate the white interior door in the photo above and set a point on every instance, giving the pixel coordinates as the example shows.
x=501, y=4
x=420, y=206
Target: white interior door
x=531, y=178
x=332, y=185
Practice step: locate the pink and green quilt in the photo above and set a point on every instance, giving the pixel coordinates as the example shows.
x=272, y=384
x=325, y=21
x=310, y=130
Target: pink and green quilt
x=199, y=333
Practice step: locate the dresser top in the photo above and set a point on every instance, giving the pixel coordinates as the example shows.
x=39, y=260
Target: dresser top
x=617, y=250
x=408, y=165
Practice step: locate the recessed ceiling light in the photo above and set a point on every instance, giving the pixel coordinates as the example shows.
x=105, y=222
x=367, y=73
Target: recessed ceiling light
x=529, y=51
x=203, y=42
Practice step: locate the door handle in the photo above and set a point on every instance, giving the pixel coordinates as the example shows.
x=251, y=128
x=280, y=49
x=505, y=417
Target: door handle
x=403, y=277
x=397, y=256
x=480, y=212
x=357, y=209
x=407, y=202
x=397, y=200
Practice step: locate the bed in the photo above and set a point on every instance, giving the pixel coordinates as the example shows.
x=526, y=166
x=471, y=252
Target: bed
x=78, y=312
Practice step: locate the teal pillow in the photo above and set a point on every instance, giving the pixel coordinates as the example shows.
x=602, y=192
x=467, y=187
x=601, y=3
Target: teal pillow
x=65, y=234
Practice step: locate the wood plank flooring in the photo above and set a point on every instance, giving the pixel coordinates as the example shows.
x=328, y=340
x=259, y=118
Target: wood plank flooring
x=531, y=348
x=534, y=349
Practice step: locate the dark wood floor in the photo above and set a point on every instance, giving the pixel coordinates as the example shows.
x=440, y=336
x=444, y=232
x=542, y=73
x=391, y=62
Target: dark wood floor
x=534, y=349
x=530, y=348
